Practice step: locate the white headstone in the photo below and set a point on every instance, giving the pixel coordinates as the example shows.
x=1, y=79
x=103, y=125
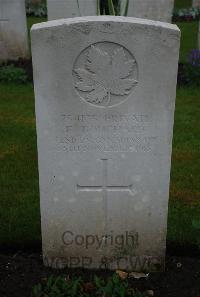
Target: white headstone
x=159, y=10
x=105, y=93
x=13, y=30
x=196, y=3
x=58, y=9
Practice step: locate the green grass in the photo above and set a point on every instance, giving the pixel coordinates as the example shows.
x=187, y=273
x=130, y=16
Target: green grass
x=189, y=32
x=34, y=20
x=182, y=4
x=184, y=204
x=189, y=35
x=184, y=223
x=19, y=198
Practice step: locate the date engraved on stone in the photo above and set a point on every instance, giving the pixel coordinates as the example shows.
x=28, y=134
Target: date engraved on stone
x=107, y=133
x=105, y=74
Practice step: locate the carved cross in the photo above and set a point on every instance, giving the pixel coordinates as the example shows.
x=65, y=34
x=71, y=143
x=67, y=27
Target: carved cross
x=105, y=188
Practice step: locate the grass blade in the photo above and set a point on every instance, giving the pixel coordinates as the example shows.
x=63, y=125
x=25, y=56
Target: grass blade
x=98, y=7
x=79, y=11
x=124, y=4
x=111, y=8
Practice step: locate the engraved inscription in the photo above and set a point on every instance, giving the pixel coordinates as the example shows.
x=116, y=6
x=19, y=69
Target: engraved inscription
x=105, y=74
x=107, y=133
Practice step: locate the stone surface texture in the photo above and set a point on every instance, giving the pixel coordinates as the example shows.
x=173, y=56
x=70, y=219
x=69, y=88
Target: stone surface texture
x=105, y=95
x=196, y=3
x=13, y=30
x=159, y=10
x=58, y=9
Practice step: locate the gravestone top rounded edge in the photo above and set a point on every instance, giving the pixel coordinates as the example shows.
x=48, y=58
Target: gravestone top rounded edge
x=99, y=19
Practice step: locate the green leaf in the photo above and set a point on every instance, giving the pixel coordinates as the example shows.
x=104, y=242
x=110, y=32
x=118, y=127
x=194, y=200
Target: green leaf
x=77, y=2
x=124, y=4
x=98, y=7
x=111, y=8
x=196, y=224
x=97, y=281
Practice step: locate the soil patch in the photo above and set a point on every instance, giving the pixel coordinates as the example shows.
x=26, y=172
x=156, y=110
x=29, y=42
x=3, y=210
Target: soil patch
x=19, y=272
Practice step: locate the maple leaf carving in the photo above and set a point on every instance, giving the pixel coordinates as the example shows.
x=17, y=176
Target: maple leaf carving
x=105, y=74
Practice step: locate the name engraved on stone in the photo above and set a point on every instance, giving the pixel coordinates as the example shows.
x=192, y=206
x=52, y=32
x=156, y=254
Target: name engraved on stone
x=105, y=74
x=106, y=132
